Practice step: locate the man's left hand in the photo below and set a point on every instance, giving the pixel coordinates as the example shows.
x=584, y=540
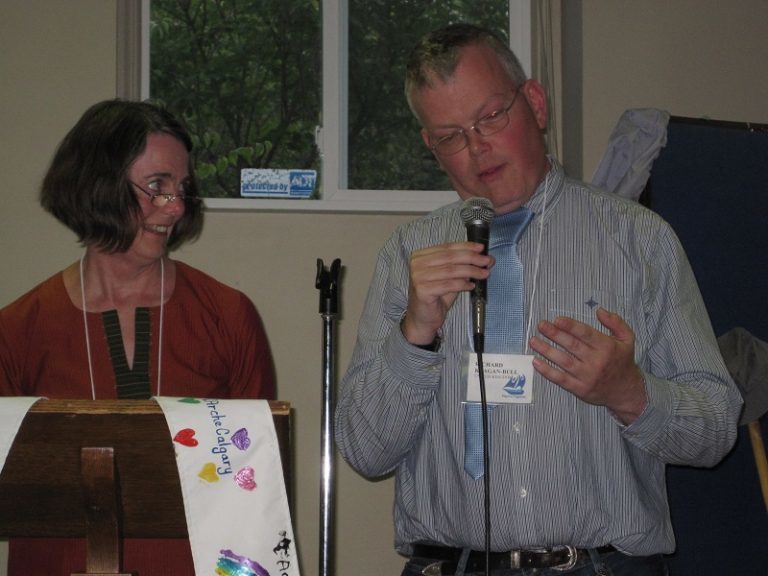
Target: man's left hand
x=598, y=368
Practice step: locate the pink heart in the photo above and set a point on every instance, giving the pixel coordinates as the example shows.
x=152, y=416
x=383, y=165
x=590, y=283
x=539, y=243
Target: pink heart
x=244, y=479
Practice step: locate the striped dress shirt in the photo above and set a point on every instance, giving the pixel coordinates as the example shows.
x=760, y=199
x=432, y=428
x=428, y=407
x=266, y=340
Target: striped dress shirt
x=562, y=471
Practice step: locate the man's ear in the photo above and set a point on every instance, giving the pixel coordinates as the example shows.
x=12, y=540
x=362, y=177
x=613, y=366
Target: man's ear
x=537, y=100
x=425, y=139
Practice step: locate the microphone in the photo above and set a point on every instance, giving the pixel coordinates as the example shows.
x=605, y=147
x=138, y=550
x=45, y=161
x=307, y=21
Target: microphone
x=477, y=214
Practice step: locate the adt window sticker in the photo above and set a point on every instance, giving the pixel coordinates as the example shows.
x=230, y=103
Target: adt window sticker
x=274, y=183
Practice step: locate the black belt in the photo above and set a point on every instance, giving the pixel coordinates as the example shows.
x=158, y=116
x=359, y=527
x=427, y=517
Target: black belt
x=562, y=557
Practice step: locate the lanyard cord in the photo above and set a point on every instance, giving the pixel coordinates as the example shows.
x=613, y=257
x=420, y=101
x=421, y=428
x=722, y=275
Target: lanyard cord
x=538, y=260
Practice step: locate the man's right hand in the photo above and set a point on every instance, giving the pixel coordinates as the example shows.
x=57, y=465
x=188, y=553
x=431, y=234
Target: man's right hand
x=437, y=275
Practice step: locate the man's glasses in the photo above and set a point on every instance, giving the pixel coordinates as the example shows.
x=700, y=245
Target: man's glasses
x=159, y=194
x=489, y=124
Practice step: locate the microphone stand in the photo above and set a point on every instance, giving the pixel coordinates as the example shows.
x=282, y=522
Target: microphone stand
x=327, y=282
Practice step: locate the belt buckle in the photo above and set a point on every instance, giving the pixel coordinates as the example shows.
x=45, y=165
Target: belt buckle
x=514, y=560
x=573, y=556
x=434, y=569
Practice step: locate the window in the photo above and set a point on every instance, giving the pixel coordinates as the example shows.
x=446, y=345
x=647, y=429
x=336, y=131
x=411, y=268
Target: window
x=385, y=149
x=246, y=77
x=308, y=85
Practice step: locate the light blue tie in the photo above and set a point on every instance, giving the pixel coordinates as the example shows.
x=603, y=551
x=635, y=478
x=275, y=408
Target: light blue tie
x=503, y=320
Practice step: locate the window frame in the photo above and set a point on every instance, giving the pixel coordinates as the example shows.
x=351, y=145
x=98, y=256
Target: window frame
x=331, y=137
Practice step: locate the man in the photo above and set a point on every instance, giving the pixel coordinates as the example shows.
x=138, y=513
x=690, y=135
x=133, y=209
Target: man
x=626, y=373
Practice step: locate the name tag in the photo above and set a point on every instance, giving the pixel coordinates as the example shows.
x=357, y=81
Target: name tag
x=508, y=378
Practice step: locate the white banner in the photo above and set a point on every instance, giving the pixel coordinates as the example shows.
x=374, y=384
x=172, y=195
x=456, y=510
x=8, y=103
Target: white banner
x=232, y=482
x=13, y=409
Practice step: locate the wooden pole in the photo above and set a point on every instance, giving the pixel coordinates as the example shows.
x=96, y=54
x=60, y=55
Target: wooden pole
x=758, y=448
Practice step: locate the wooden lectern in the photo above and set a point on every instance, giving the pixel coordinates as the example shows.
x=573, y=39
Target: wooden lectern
x=100, y=470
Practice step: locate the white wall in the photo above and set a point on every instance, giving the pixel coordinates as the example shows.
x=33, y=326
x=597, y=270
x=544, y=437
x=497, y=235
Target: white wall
x=698, y=58
x=692, y=57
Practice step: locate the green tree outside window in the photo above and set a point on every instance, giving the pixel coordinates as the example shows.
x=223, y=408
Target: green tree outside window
x=246, y=77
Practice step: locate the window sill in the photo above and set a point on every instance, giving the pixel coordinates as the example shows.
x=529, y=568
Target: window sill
x=360, y=201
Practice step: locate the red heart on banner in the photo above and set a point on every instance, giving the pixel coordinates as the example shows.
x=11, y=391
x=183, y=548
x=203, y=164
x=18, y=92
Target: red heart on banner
x=186, y=437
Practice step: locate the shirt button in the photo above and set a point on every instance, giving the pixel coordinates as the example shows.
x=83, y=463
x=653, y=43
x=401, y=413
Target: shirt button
x=516, y=427
x=523, y=492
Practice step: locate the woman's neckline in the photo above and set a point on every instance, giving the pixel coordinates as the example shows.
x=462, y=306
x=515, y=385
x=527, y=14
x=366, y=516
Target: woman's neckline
x=70, y=277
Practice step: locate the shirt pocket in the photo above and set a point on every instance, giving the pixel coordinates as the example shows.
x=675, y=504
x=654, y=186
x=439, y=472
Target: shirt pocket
x=582, y=305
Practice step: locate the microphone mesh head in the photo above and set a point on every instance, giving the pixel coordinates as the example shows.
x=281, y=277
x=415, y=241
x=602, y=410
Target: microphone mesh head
x=477, y=211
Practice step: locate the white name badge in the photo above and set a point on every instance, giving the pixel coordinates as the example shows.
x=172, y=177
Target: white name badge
x=508, y=378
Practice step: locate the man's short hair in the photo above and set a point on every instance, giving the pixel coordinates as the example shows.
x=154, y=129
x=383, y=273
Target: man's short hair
x=437, y=54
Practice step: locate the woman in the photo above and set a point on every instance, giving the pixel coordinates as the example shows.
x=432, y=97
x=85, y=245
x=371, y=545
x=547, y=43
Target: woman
x=126, y=321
